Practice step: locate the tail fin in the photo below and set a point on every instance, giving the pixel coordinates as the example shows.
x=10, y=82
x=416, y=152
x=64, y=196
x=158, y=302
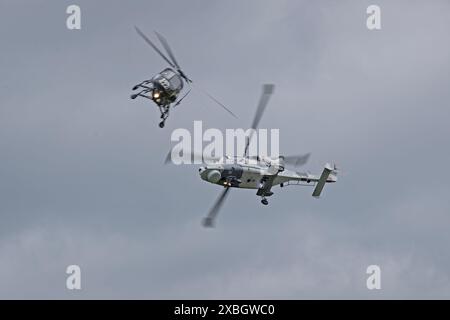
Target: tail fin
x=328, y=175
x=333, y=174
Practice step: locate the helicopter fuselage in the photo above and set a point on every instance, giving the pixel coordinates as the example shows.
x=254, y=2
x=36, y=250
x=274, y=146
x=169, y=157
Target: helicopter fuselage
x=166, y=86
x=247, y=174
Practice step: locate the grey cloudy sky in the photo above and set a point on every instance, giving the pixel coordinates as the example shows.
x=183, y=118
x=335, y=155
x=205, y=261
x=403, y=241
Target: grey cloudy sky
x=81, y=174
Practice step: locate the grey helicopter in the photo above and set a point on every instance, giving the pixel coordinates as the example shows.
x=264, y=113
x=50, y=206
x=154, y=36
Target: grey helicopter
x=258, y=172
x=164, y=89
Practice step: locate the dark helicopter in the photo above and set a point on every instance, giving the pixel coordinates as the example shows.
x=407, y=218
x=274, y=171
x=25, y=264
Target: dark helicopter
x=164, y=88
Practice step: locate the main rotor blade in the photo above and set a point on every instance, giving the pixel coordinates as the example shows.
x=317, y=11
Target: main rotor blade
x=267, y=92
x=155, y=47
x=215, y=100
x=296, y=160
x=209, y=220
x=166, y=46
x=192, y=156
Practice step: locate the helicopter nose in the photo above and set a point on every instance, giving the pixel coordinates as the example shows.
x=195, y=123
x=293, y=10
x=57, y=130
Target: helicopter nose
x=202, y=172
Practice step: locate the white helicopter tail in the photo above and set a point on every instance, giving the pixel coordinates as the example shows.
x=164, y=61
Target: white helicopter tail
x=329, y=174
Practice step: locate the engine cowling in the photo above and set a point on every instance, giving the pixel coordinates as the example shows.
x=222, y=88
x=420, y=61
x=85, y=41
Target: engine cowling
x=213, y=176
x=275, y=165
x=280, y=163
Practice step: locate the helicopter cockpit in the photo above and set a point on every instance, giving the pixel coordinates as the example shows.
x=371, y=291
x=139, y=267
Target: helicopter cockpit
x=166, y=86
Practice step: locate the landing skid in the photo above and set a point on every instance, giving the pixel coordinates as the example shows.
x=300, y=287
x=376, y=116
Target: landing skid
x=164, y=114
x=144, y=93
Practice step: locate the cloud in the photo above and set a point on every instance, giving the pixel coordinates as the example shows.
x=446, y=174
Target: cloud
x=82, y=180
x=299, y=255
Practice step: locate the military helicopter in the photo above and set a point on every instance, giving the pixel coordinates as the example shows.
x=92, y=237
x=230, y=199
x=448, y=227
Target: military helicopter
x=165, y=87
x=260, y=173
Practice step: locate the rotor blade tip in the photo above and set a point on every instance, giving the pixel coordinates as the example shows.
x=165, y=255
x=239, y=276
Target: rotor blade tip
x=208, y=222
x=268, y=88
x=168, y=158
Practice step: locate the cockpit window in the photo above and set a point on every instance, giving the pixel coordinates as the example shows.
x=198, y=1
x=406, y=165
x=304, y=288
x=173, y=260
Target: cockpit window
x=169, y=80
x=168, y=74
x=175, y=82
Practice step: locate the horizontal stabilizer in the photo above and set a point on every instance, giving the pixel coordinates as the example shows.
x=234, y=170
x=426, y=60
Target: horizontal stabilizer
x=322, y=180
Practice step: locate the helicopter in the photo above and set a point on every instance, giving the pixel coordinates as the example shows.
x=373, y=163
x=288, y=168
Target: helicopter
x=165, y=87
x=258, y=172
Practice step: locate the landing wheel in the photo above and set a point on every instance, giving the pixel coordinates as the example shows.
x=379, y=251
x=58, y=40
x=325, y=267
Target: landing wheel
x=135, y=87
x=265, y=201
x=133, y=96
x=161, y=124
